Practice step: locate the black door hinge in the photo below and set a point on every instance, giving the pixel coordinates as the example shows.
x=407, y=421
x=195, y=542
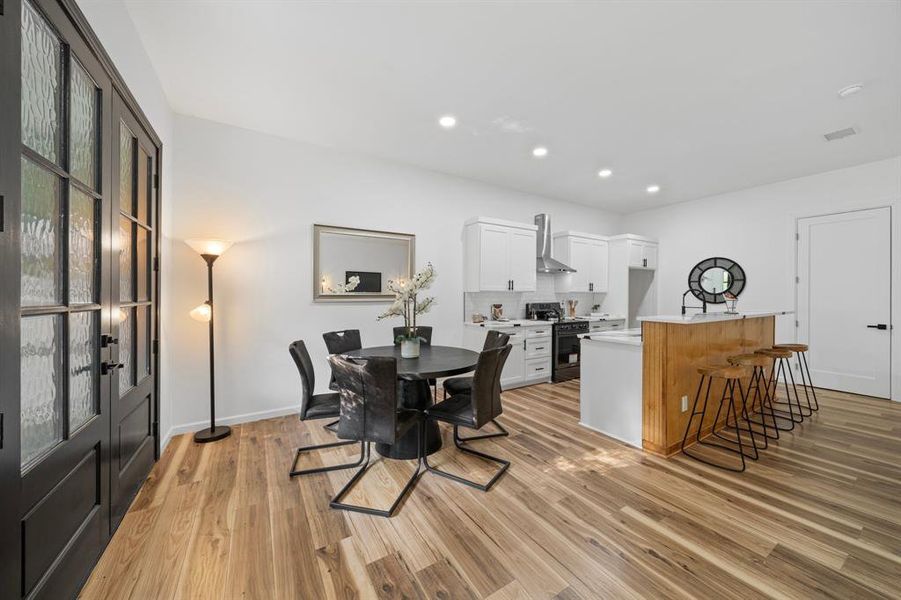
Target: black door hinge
x=156, y=429
x=155, y=347
x=156, y=263
x=2, y=204
x=156, y=181
x=2, y=431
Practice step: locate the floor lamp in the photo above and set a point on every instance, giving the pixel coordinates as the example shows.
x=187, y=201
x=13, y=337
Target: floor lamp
x=210, y=250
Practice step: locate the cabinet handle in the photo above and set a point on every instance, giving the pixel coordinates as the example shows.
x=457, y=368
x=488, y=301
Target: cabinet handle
x=539, y=368
x=539, y=347
x=512, y=284
x=878, y=326
x=644, y=262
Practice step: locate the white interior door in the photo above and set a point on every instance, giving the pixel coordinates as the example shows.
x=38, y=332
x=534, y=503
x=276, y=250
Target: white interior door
x=844, y=300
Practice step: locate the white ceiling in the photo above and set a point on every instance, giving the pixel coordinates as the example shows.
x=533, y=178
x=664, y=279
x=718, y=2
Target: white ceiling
x=698, y=97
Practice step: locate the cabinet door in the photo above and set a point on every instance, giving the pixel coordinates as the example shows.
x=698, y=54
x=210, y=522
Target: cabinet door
x=580, y=260
x=636, y=254
x=650, y=256
x=598, y=269
x=493, y=258
x=522, y=260
x=515, y=368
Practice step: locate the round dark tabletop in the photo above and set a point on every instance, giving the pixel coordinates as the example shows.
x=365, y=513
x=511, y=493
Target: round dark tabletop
x=433, y=361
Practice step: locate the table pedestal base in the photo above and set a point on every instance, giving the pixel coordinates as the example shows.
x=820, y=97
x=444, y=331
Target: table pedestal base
x=415, y=394
x=405, y=447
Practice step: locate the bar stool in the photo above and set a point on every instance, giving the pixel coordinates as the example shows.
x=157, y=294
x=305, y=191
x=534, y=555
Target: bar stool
x=758, y=364
x=800, y=351
x=779, y=369
x=732, y=376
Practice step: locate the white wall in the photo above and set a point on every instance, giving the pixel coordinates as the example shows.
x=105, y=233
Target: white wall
x=266, y=193
x=756, y=227
x=113, y=25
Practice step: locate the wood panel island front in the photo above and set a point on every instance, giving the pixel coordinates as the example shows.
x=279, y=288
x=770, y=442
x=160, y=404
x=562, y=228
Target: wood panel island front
x=674, y=348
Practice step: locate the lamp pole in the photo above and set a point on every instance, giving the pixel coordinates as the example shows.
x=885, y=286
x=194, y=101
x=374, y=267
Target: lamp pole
x=212, y=433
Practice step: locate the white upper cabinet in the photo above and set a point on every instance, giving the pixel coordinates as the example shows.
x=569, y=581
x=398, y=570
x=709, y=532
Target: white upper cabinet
x=499, y=256
x=642, y=254
x=588, y=255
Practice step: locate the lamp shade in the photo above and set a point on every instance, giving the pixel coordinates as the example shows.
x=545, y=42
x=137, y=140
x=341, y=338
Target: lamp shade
x=202, y=313
x=212, y=247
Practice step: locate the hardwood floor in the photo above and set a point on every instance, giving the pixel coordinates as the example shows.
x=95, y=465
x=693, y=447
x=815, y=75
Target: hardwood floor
x=577, y=515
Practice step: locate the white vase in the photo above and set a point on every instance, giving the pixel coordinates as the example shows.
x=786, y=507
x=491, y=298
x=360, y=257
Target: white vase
x=409, y=348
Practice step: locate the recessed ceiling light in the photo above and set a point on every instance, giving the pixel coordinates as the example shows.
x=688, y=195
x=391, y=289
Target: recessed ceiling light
x=850, y=90
x=539, y=151
x=653, y=189
x=448, y=121
x=605, y=173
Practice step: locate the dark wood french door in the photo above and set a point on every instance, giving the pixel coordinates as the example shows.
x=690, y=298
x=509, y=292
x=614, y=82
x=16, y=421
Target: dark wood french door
x=78, y=213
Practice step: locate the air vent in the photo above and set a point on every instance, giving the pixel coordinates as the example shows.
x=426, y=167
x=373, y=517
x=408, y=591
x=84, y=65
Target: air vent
x=839, y=134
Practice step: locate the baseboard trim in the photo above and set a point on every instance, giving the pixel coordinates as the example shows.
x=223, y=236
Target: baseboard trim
x=233, y=420
x=610, y=435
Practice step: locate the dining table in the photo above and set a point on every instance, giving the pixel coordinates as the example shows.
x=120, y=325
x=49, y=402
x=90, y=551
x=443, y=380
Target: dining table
x=414, y=391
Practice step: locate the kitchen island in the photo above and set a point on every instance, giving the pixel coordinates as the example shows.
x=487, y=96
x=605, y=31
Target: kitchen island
x=672, y=348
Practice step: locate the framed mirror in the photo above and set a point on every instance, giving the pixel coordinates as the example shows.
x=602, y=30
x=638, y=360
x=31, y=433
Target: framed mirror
x=710, y=279
x=356, y=264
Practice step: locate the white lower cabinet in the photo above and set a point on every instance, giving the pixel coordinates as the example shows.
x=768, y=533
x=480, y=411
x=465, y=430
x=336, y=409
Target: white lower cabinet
x=529, y=361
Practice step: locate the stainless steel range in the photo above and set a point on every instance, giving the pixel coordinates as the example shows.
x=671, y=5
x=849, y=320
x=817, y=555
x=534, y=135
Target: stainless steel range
x=566, y=338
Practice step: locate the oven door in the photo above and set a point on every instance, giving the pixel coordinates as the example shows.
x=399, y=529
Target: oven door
x=566, y=350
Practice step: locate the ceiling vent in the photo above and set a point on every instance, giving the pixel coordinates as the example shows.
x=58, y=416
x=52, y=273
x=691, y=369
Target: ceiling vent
x=839, y=134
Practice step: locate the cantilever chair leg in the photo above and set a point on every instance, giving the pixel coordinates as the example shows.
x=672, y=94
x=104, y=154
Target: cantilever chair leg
x=484, y=436
x=333, y=426
x=336, y=501
x=294, y=472
x=504, y=464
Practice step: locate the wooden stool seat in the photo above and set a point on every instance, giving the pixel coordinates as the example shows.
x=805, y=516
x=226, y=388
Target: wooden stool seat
x=734, y=372
x=750, y=360
x=792, y=347
x=708, y=369
x=775, y=353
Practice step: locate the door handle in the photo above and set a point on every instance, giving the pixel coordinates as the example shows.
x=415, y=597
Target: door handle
x=878, y=326
x=107, y=367
x=106, y=340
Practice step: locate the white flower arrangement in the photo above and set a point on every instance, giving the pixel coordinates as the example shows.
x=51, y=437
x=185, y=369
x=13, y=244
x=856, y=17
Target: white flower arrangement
x=407, y=303
x=343, y=288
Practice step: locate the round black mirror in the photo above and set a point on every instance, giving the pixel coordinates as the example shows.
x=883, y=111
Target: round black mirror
x=710, y=279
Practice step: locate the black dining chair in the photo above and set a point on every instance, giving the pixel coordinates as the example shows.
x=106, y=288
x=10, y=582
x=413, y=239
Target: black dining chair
x=425, y=333
x=462, y=385
x=370, y=413
x=339, y=342
x=315, y=406
x=473, y=410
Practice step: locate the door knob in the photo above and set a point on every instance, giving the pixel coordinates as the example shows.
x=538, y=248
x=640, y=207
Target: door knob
x=107, y=367
x=878, y=326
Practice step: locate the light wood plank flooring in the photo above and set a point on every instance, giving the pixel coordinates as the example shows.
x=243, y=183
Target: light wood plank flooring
x=578, y=515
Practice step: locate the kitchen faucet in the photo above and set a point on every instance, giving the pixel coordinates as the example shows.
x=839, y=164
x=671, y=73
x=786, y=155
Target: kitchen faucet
x=703, y=306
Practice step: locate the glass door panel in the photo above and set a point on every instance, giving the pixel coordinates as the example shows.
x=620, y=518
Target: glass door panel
x=42, y=386
x=42, y=271
x=42, y=69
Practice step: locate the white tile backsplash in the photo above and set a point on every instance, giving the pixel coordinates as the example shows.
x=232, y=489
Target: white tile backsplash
x=515, y=302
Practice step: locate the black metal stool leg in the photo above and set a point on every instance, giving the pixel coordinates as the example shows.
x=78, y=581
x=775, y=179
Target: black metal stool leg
x=778, y=368
x=791, y=375
x=294, y=472
x=762, y=397
x=694, y=411
x=504, y=464
x=747, y=419
x=729, y=390
x=813, y=390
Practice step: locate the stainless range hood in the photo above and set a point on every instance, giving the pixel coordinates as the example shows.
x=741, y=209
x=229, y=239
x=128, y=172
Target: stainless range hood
x=545, y=263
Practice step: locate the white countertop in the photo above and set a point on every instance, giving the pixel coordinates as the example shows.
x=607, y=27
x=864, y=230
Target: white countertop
x=696, y=318
x=536, y=323
x=629, y=337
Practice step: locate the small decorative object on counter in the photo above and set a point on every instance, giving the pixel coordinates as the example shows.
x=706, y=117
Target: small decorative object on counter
x=478, y=318
x=731, y=303
x=571, y=308
x=408, y=305
x=497, y=312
